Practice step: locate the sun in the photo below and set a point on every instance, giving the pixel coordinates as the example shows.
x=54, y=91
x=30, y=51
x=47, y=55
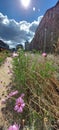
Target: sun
x=25, y=3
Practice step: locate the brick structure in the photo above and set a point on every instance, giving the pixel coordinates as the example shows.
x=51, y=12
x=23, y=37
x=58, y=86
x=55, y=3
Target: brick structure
x=47, y=33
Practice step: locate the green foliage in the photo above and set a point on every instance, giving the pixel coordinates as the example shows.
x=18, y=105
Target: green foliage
x=46, y=70
x=29, y=78
x=36, y=51
x=1, y=60
x=20, y=64
x=3, y=55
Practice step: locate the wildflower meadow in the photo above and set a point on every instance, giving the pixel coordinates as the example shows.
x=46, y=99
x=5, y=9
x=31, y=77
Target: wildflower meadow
x=30, y=99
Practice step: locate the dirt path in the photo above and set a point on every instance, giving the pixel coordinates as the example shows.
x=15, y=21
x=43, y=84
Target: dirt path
x=5, y=80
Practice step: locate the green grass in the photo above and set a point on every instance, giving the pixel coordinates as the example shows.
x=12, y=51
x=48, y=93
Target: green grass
x=30, y=76
x=3, y=55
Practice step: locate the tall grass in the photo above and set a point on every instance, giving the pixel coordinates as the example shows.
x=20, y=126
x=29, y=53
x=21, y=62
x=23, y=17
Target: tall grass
x=32, y=78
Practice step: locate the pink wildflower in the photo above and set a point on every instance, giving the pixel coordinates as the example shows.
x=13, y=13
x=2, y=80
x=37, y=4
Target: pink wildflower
x=3, y=101
x=14, y=127
x=15, y=54
x=9, y=72
x=19, y=105
x=44, y=54
x=13, y=93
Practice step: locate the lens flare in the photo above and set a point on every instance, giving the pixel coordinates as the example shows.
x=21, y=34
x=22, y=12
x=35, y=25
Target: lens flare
x=25, y=3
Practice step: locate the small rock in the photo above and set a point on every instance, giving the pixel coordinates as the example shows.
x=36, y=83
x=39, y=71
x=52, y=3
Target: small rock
x=1, y=127
x=58, y=122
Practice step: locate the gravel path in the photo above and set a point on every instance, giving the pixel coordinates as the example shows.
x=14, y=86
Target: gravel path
x=5, y=80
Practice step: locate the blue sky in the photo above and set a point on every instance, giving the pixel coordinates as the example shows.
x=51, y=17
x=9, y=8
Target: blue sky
x=17, y=23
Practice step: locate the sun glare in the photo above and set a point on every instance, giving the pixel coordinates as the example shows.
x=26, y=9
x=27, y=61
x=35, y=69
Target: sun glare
x=25, y=3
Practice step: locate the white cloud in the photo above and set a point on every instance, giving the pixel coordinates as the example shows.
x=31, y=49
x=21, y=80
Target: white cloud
x=24, y=25
x=39, y=18
x=14, y=33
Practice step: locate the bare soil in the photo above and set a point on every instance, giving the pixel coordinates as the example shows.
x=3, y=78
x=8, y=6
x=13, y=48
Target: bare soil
x=5, y=81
